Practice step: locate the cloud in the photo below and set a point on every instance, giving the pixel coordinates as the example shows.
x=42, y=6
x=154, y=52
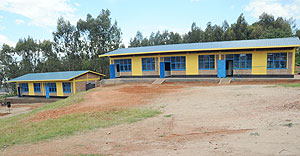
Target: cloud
x=41, y=13
x=2, y=27
x=282, y=8
x=195, y=0
x=76, y=4
x=18, y=21
x=4, y=39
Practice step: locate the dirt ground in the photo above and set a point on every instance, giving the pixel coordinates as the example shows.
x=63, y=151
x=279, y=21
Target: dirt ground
x=17, y=109
x=197, y=119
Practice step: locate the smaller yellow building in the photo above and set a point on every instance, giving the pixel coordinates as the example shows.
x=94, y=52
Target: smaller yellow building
x=56, y=84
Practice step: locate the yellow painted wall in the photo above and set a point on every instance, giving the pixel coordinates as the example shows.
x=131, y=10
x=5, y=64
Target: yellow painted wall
x=259, y=63
x=294, y=57
x=136, y=66
x=74, y=86
x=43, y=89
x=191, y=64
x=31, y=88
x=59, y=89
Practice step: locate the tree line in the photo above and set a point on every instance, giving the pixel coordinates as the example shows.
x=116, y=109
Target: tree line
x=76, y=47
x=267, y=26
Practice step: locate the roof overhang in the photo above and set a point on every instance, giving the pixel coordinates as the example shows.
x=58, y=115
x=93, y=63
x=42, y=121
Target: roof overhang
x=193, y=50
x=55, y=80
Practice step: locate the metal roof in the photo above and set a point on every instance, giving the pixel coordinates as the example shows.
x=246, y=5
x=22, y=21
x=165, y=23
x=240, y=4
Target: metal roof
x=205, y=46
x=51, y=76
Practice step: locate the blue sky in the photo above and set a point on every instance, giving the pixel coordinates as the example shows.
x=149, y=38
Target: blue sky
x=35, y=18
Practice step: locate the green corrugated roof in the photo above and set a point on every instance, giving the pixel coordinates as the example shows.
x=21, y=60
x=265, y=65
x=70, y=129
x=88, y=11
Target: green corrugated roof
x=240, y=44
x=51, y=76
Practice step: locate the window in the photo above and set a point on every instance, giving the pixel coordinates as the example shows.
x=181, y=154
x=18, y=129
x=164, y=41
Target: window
x=52, y=87
x=125, y=64
x=176, y=62
x=277, y=60
x=148, y=64
x=240, y=61
x=37, y=87
x=67, y=87
x=24, y=87
x=206, y=62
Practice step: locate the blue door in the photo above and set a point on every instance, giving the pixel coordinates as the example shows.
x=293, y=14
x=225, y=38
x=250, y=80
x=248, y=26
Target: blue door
x=112, y=71
x=47, y=91
x=221, y=68
x=19, y=91
x=162, y=69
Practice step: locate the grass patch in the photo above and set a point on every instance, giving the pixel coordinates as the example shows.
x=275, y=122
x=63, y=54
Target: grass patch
x=271, y=86
x=289, y=125
x=17, y=130
x=169, y=115
x=26, y=132
x=290, y=85
x=254, y=134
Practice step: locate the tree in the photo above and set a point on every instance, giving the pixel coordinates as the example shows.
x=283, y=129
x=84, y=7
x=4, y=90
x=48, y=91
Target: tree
x=66, y=41
x=138, y=40
x=8, y=66
x=240, y=29
x=298, y=33
x=195, y=35
x=28, y=50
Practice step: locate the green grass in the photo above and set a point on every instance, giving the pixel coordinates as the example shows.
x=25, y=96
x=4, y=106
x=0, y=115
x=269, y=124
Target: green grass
x=290, y=85
x=18, y=130
x=289, y=125
x=169, y=115
x=254, y=134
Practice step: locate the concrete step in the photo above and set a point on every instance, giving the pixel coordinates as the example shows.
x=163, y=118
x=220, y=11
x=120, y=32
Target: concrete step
x=224, y=81
x=159, y=81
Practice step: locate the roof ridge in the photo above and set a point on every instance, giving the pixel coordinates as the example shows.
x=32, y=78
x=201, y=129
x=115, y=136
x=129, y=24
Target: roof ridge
x=212, y=42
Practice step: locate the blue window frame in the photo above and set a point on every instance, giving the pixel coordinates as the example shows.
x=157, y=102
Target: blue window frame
x=24, y=87
x=125, y=64
x=52, y=87
x=37, y=87
x=148, y=64
x=67, y=87
x=240, y=61
x=176, y=62
x=206, y=62
x=277, y=60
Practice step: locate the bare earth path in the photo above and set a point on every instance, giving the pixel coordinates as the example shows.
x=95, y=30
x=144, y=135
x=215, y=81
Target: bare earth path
x=196, y=120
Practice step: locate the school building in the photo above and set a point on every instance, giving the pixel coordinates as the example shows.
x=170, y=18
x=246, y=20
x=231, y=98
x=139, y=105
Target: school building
x=56, y=84
x=244, y=58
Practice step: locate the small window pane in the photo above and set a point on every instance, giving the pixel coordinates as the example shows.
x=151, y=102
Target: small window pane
x=243, y=65
x=173, y=59
x=201, y=58
x=283, y=64
x=270, y=64
x=249, y=64
x=206, y=58
x=229, y=57
x=276, y=64
x=206, y=65
x=201, y=65
x=236, y=65
x=276, y=57
x=283, y=57
x=173, y=66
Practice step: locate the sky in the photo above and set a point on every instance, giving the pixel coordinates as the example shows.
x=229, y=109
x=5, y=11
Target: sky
x=37, y=18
